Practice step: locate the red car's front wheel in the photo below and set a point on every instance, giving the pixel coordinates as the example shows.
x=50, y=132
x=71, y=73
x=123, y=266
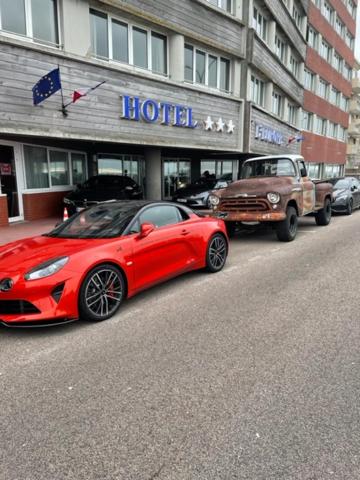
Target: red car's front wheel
x=101, y=293
x=216, y=253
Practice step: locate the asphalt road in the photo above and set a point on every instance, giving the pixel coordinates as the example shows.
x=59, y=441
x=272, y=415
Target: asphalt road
x=252, y=373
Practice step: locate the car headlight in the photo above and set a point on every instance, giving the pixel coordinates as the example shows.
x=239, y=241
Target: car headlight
x=67, y=201
x=46, y=269
x=273, y=197
x=214, y=200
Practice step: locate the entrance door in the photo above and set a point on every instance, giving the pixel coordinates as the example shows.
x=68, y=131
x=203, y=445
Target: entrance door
x=176, y=174
x=8, y=181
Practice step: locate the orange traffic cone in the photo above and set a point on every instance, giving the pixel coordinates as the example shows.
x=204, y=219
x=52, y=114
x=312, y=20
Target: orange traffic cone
x=65, y=215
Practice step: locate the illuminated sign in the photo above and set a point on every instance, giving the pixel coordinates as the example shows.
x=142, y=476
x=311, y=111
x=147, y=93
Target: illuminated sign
x=267, y=134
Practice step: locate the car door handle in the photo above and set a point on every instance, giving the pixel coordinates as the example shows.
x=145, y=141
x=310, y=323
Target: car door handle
x=185, y=232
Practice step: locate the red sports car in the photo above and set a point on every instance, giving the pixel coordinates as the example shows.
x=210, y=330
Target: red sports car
x=89, y=264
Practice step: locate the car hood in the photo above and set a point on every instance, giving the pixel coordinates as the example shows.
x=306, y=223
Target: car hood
x=25, y=254
x=339, y=192
x=258, y=186
x=192, y=190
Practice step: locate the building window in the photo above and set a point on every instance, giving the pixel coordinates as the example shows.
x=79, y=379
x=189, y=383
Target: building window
x=46, y=168
x=328, y=12
x=321, y=126
x=260, y=24
x=35, y=19
x=312, y=37
x=309, y=80
x=314, y=170
x=335, y=96
x=206, y=69
x=337, y=62
x=280, y=48
x=325, y=50
x=296, y=14
x=349, y=39
x=307, y=121
x=344, y=103
x=324, y=89
x=333, y=130
x=277, y=104
x=339, y=26
x=342, y=134
x=294, y=66
x=119, y=41
x=317, y=3
x=332, y=171
x=224, y=4
x=257, y=91
x=351, y=8
x=292, y=114
x=347, y=72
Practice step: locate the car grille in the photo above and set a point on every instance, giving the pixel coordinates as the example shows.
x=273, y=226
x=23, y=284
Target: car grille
x=244, y=205
x=12, y=307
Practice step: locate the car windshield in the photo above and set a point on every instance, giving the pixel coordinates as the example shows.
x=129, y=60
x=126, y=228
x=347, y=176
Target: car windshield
x=342, y=183
x=102, y=221
x=274, y=167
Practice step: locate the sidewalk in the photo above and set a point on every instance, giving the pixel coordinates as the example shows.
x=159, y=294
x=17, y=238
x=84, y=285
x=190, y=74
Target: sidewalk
x=19, y=230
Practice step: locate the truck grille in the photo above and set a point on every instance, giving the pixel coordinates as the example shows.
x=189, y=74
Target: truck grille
x=12, y=307
x=244, y=205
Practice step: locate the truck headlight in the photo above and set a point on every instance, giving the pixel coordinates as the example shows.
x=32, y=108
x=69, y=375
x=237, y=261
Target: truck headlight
x=273, y=197
x=46, y=269
x=214, y=200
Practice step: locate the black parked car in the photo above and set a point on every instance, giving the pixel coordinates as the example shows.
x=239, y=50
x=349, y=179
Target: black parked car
x=346, y=194
x=101, y=188
x=197, y=193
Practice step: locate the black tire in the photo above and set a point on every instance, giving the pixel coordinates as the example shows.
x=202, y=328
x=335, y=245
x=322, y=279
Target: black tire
x=287, y=229
x=350, y=207
x=323, y=216
x=230, y=228
x=101, y=293
x=216, y=253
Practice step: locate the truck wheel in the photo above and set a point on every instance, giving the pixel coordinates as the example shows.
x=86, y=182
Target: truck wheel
x=230, y=228
x=323, y=216
x=287, y=229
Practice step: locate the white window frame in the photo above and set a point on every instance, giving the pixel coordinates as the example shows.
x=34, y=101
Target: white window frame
x=260, y=28
x=56, y=188
x=313, y=37
x=277, y=99
x=29, y=28
x=308, y=74
x=257, y=85
x=328, y=12
x=218, y=4
x=207, y=54
x=130, y=28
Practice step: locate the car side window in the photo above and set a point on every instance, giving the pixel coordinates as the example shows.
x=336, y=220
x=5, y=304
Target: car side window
x=161, y=215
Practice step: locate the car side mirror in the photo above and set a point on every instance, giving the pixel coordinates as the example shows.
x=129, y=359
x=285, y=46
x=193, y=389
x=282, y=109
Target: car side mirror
x=303, y=172
x=146, y=229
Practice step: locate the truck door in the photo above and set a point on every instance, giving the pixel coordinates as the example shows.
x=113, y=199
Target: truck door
x=308, y=189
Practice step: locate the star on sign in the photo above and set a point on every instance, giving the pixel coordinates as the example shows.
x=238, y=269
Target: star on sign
x=208, y=123
x=230, y=127
x=220, y=125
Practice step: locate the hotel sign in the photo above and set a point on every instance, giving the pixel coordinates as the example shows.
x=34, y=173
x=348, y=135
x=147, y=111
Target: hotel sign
x=269, y=135
x=170, y=114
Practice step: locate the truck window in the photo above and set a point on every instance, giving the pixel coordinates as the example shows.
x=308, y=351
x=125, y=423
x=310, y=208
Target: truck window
x=268, y=168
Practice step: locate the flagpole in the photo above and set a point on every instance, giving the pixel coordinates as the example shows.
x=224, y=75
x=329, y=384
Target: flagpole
x=90, y=90
x=63, y=107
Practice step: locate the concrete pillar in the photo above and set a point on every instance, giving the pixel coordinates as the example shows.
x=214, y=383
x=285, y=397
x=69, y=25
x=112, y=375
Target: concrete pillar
x=236, y=77
x=153, y=174
x=291, y=6
x=304, y=24
x=269, y=88
x=176, y=56
x=76, y=34
x=271, y=35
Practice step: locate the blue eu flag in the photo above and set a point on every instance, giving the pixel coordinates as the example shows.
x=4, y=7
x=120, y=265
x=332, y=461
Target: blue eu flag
x=46, y=86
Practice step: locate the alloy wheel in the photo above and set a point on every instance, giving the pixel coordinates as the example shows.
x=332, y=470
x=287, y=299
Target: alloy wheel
x=104, y=292
x=217, y=252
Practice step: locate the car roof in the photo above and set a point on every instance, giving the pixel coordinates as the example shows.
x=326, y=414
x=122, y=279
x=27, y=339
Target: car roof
x=269, y=157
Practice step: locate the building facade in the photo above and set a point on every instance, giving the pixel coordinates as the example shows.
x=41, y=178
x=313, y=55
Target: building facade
x=186, y=88
x=353, y=145
x=327, y=79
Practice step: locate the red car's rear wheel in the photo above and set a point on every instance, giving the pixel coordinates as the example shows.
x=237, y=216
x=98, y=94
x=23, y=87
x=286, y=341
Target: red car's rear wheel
x=101, y=293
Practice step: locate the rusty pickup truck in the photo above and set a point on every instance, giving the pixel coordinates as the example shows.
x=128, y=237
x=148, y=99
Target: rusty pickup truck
x=273, y=189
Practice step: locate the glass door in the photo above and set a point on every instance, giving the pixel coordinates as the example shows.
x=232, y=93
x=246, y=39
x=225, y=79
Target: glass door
x=8, y=181
x=176, y=174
